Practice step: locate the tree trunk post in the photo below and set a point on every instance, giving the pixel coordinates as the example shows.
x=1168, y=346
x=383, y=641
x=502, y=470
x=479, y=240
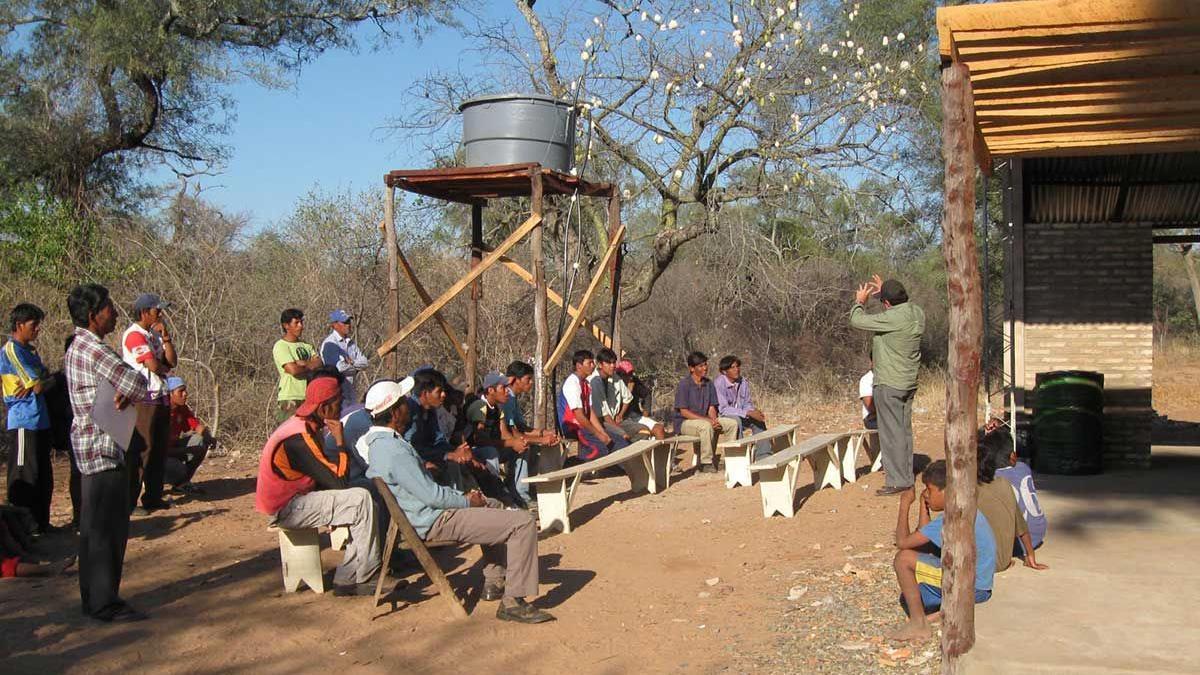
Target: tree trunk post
x=393, y=301
x=472, y=363
x=614, y=270
x=541, y=323
x=964, y=290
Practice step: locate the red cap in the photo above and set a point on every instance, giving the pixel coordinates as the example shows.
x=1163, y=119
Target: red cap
x=624, y=366
x=318, y=391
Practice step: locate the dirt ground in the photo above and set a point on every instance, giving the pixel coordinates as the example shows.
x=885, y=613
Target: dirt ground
x=690, y=580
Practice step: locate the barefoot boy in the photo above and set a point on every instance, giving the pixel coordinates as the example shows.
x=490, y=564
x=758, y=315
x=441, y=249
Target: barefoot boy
x=918, y=564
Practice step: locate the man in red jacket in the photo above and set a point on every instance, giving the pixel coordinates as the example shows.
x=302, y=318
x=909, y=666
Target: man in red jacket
x=299, y=487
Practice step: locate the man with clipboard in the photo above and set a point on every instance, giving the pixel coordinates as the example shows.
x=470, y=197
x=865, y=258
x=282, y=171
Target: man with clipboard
x=92, y=367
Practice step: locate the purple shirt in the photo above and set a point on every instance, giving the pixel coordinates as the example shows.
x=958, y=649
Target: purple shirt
x=695, y=397
x=733, y=398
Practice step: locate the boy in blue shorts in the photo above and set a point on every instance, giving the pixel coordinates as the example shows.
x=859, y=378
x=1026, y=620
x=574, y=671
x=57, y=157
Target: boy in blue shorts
x=918, y=564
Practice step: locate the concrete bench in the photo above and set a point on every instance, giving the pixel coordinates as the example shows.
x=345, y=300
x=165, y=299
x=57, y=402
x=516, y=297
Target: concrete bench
x=556, y=489
x=300, y=555
x=777, y=474
x=855, y=442
x=739, y=452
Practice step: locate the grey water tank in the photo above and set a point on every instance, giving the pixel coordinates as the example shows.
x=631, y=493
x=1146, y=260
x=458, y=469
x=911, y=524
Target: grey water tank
x=519, y=128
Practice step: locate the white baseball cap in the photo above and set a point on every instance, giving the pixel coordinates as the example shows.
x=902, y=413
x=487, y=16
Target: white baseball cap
x=387, y=393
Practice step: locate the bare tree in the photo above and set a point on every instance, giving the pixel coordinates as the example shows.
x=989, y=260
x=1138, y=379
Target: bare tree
x=711, y=103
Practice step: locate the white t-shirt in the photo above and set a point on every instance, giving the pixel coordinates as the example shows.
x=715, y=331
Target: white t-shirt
x=572, y=391
x=866, y=386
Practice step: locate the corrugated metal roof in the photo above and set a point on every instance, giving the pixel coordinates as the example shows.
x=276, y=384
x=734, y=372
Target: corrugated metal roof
x=1160, y=189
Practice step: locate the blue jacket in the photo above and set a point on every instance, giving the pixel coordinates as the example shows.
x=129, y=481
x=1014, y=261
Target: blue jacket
x=425, y=434
x=395, y=461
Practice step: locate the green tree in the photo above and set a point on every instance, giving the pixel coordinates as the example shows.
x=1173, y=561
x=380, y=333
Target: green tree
x=93, y=90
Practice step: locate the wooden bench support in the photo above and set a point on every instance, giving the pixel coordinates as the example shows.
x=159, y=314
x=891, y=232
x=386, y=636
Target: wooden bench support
x=739, y=452
x=778, y=488
x=675, y=442
x=556, y=489
x=827, y=465
x=864, y=441
x=554, y=502
x=300, y=558
x=338, y=537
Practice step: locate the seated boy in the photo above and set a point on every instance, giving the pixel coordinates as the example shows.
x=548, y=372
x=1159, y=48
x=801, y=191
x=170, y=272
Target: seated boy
x=1020, y=477
x=579, y=420
x=492, y=442
x=696, y=412
x=632, y=393
x=606, y=399
x=520, y=381
x=918, y=564
x=189, y=440
x=734, y=402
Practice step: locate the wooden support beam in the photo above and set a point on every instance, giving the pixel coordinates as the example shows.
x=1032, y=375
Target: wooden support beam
x=458, y=287
x=425, y=298
x=552, y=295
x=964, y=289
x=614, y=271
x=471, y=364
x=541, y=323
x=563, y=344
x=393, y=298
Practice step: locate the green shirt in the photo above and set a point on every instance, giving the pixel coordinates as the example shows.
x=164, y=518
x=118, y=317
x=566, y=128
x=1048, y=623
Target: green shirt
x=291, y=388
x=896, y=345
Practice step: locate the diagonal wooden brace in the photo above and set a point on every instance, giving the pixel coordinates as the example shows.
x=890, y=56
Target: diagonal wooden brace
x=601, y=270
x=424, y=295
x=461, y=285
x=515, y=267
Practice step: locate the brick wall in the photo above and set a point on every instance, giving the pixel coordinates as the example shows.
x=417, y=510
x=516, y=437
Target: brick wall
x=1088, y=307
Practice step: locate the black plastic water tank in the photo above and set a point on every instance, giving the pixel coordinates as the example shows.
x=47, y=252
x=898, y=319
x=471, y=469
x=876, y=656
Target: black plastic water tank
x=1068, y=422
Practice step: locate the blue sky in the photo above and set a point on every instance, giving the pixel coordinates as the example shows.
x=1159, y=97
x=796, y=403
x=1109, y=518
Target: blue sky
x=325, y=131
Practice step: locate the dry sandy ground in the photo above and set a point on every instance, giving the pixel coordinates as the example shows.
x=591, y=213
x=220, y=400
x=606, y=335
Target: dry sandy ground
x=630, y=587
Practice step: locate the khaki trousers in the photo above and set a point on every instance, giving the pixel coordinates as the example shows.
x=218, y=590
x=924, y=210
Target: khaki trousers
x=709, y=438
x=509, y=541
x=353, y=508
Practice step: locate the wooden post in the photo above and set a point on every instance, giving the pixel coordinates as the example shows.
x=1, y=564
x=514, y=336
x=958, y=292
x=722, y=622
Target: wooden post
x=964, y=289
x=540, y=322
x=473, y=303
x=393, y=301
x=614, y=270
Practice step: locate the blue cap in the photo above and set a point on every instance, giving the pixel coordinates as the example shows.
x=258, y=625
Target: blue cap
x=147, y=301
x=340, y=316
x=494, y=379
x=174, y=383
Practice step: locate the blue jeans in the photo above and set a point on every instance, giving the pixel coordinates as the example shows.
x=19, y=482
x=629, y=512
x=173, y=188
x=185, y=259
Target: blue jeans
x=518, y=467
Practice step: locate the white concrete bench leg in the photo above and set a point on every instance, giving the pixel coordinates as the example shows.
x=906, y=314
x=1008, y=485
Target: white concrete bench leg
x=554, y=503
x=827, y=467
x=778, y=489
x=638, y=471
x=873, y=449
x=660, y=457
x=737, y=466
x=850, y=459
x=338, y=537
x=300, y=556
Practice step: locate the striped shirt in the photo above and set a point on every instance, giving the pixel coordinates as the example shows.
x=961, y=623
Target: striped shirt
x=87, y=362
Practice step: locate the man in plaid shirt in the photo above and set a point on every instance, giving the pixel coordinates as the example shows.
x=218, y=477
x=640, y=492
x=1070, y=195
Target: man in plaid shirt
x=105, y=486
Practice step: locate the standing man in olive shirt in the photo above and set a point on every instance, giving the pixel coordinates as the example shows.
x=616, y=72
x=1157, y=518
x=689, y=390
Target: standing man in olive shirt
x=896, y=352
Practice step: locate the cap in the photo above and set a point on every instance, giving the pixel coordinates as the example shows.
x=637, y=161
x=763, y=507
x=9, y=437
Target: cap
x=147, y=301
x=624, y=366
x=340, y=316
x=494, y=379
x=893, y=292
x=174, y=383
x=318, y=391
x=386, y=393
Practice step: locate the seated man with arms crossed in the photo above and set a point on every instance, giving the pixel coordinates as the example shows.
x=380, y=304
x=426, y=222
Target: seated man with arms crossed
x=440, y=513
x=696, y=412
x=299, y=488
x=492, y=442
